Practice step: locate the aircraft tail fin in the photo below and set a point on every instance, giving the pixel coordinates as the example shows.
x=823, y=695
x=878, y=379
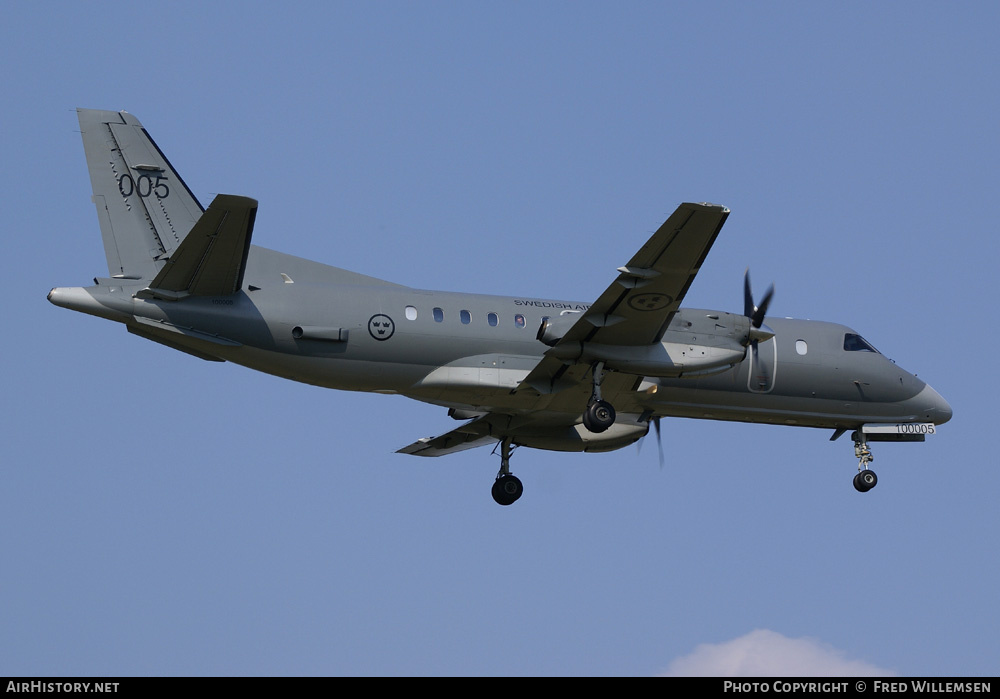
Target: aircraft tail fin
x=212, y=258
x=143, y=205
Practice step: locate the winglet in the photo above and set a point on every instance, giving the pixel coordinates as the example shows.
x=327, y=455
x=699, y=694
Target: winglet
x=212, y=258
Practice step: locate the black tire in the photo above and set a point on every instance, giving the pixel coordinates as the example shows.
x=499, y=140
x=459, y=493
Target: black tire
x=599, y=416
x=507, y=489
x=865, y=481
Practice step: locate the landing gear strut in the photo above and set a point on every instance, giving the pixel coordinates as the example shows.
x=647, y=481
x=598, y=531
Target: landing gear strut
x=866, y=478
x=600, y=414
x=507, y=488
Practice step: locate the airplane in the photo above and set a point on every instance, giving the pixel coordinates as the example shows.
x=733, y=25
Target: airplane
x=516, y=371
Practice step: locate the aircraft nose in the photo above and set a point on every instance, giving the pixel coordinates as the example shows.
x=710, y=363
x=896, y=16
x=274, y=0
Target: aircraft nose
x=933, y=405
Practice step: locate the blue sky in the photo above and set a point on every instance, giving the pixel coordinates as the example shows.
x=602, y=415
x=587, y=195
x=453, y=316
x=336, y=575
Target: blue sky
x=163, y=515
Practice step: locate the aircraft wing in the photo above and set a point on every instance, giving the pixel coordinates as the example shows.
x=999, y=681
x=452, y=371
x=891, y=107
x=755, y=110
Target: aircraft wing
x=636, y=309
x=638, y=306
x=476, y=433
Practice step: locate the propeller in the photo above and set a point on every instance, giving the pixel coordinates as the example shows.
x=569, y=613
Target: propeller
x=659, y=441
x=758, y=331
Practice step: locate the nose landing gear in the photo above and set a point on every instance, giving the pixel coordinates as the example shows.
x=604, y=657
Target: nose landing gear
x=866, y=478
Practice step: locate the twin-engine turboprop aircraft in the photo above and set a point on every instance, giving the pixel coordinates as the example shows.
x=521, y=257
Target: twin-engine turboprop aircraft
x=517, y=371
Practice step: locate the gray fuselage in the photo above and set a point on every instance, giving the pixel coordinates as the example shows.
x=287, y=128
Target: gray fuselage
x=325, y=326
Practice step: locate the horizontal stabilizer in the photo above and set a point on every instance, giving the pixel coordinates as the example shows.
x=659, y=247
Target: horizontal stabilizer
x=165, y=327
x=168, y=341
x=211, y=260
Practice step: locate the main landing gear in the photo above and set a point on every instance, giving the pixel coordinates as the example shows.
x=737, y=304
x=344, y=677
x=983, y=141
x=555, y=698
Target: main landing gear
x=866, y=478
x=600, y=414
x=507, y=488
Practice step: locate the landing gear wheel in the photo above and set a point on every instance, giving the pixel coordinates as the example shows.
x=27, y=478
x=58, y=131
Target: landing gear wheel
x=865, y=480
x=599, y=416
x=507, y=489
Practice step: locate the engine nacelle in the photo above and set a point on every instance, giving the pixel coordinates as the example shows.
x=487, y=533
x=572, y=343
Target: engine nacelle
x=697, y=342
x=552, y=329
x=664, y=359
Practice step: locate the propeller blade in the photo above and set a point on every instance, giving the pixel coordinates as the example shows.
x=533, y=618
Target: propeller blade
x=756, y=314
x=659, y=441
x=757, y=319
x=758, y=331
x=748, y=307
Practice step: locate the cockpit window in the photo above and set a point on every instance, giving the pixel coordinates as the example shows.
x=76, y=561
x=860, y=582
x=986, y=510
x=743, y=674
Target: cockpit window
x=855, y=343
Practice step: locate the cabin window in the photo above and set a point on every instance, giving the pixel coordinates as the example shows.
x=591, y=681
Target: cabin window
x=493, y=319
x=801, y=347
x=855, y=343
x=465, y=316
x=411, y=313
x=519, y=321
x=438, y=315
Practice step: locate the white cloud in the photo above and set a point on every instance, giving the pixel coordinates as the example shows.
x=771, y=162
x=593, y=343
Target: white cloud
x=764, y=653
